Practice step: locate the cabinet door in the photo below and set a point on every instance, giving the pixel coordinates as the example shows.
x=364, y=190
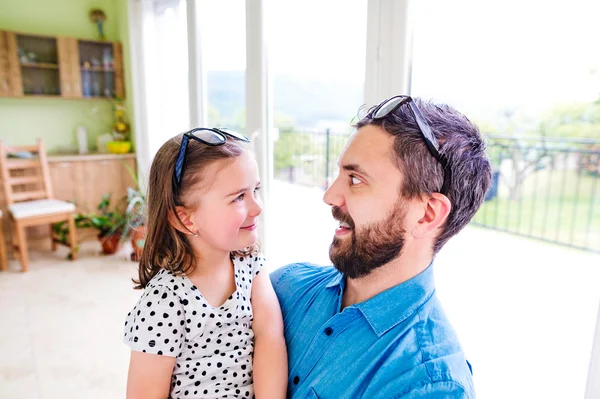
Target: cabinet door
x=118, y=66
x=4, y=69
x=103, y=177
x=66, y=181
x=128, y=180
x=73, y=52
x=68, y=61
x=10, y=72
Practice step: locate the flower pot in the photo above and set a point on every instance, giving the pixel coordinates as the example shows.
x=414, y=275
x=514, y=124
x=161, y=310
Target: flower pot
x=110, y=243
x=138, y=239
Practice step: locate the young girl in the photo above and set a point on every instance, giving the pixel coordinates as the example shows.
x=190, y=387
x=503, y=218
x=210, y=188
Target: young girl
x=208, y=324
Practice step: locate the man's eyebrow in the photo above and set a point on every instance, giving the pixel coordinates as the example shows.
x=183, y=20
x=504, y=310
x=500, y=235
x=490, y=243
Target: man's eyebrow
x=353, y=167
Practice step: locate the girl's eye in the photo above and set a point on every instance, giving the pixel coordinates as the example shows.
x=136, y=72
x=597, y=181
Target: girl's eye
x=239, y=198
x=354, y=180
x=256, y=190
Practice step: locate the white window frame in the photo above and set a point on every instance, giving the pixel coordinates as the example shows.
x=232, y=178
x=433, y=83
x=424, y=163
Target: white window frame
x=389, y=50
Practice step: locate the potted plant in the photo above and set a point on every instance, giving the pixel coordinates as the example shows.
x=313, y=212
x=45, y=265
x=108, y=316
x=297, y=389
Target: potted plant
x=109, y=223
x=135, y=227
x=120, y=131
x=60, y=230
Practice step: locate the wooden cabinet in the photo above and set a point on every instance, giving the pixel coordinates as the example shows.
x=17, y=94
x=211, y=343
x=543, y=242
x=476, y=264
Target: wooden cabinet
x=64, y=175
x=101, y=68
x=10, y=73
x=60, y=67
x=70, y=77
x=83, y=179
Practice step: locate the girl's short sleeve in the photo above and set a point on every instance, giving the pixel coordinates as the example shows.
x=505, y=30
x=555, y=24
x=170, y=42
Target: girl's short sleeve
x=157, y=323
x=256, y=265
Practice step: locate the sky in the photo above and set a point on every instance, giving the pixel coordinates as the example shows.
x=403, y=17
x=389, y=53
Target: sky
x=510, y=53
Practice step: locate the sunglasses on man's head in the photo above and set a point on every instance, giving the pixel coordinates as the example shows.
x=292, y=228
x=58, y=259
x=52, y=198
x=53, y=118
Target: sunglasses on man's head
x=392, y=104
x=208, y=136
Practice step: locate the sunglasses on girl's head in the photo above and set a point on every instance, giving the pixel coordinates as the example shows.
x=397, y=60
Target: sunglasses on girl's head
x=392, y=104
x=209, y=136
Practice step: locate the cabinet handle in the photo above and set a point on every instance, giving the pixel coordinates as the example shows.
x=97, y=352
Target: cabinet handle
x=104, y=162
x=67, y=87
x=4, y=85
x=64, y=164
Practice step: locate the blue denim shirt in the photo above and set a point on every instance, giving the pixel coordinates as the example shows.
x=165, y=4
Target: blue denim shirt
x=398, y=344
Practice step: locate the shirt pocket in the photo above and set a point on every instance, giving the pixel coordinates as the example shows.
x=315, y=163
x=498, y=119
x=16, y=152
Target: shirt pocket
x=311, y=394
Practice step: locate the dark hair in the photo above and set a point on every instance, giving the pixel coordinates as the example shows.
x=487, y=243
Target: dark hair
x=166, y=247
x=460, y=142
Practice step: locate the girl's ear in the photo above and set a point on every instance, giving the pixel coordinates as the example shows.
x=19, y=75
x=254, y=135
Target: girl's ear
x=182, y=221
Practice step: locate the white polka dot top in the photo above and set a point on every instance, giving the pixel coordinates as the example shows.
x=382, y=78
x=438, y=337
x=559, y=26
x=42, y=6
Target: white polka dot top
x=213, y=345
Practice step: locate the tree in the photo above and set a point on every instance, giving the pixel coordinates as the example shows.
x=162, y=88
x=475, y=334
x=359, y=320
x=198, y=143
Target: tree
x=573, y=120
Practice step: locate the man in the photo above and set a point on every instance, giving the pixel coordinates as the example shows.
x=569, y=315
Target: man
x=412, y=176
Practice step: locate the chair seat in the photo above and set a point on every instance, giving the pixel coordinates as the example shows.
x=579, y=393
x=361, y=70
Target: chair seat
x=28, y=209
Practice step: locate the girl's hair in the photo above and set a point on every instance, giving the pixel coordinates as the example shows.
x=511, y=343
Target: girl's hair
x=165, y=246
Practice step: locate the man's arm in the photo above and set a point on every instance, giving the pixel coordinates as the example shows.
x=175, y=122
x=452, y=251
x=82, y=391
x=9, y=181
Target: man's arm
x=270, y=369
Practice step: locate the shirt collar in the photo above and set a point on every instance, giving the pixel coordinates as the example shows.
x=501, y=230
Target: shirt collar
x=396, y=304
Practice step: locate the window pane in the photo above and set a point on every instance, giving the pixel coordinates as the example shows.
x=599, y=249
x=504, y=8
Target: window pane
x=317, y=64
x=224, y=55
x=166, y=71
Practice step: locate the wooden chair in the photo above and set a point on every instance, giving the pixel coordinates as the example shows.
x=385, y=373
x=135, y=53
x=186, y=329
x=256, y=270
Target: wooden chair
x=28, y=191
x=3, y=258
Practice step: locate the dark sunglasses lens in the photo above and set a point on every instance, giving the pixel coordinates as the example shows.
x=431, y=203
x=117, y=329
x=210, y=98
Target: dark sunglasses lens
x=387, y=107
x=209, y=136
x=234, y=134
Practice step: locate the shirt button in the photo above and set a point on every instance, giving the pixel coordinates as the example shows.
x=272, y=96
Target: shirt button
x=328, y=331
x=296, y=380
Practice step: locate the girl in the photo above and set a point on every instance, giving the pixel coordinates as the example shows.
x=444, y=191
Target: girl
x=208, y=324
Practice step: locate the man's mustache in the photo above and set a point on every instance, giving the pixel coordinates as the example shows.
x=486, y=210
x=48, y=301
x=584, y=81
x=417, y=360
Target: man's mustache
x=339, y=215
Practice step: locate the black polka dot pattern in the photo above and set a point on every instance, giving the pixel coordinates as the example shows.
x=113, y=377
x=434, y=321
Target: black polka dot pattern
x=213, y=346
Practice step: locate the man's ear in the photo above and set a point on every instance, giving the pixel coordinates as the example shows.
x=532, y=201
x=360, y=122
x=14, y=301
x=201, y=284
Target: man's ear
x=181, y=220
x=437, y=208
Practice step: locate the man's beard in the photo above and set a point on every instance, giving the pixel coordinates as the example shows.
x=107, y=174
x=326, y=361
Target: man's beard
x=370, y=248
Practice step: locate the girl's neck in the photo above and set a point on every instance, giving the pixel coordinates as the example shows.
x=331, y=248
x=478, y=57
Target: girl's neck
x=209, y=259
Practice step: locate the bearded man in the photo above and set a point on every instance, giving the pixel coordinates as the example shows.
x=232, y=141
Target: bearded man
x=412, y=176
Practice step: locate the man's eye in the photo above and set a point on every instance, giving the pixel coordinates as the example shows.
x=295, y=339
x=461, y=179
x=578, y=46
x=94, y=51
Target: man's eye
x=354, y=180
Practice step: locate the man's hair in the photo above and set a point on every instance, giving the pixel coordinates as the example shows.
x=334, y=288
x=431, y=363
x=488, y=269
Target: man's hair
x=462, y=145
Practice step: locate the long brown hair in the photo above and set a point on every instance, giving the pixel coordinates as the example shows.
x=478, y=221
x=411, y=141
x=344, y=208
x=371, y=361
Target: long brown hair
x=165, y=246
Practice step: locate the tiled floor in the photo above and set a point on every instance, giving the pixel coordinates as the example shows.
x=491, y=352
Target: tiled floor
x=525, y=311
x=61, y=326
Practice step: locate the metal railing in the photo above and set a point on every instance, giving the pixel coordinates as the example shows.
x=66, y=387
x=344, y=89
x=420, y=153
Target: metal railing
x=546, y=189
x=309, y=157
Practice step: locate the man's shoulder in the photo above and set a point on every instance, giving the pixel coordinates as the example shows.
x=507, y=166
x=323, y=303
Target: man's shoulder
x=302, y=270
x=294, y=276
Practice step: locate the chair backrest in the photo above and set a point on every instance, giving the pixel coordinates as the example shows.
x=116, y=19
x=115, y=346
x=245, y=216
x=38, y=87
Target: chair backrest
x=25, y=173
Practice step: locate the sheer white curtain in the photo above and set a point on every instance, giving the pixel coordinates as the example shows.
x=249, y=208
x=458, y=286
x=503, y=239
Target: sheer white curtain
x=158, y=31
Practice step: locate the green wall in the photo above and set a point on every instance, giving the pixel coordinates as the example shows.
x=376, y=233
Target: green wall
x=22, y=120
